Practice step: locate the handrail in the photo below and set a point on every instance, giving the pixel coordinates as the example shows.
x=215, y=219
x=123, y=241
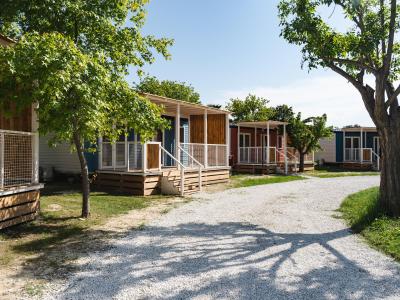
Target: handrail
x=295, y=158
x=378, y=158
x=173, y=157
x=198, y=163
x=195, y=160
x=182, y=183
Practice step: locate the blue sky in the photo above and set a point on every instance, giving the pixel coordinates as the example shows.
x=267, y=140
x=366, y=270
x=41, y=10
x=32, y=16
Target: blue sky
x=229, y=48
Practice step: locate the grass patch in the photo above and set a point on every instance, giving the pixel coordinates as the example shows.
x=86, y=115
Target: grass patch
x=362, y=213
x=332, y=171
x=246, y=181
x=59, y=235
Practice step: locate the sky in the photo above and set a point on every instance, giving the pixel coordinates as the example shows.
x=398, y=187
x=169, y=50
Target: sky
x=230, y=48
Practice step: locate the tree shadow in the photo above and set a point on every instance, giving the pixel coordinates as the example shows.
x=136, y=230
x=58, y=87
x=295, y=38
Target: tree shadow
x=231, y=260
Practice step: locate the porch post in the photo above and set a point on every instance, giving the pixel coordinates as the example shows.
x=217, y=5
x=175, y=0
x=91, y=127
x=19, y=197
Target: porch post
x=178, y=133
x=35, y=145
x=268, y=143
x=362, y=146
x=238, y=145
x=205, y=140
x=344, y=145
x=255, y=145
x=100, y=150
x=227, y=139
x=285, y=148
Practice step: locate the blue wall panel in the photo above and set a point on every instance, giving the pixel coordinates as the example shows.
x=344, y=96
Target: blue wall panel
x=339, y=146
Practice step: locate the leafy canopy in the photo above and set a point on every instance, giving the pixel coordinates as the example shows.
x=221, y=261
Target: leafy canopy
x=306, y=134
x=252, y=108
x=168, y=88
x=282, y=113
x=109, y=28
x=72, y=57
x=74, y=90
x=367, y=47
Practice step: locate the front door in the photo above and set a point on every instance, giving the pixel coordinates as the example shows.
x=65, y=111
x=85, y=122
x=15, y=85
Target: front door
x=352, y=148
x=244, y=144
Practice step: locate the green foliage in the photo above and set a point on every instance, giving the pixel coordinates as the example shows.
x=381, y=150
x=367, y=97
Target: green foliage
x=71, y=58
x=252, y=108
x=167, y=88
x=362, y=212
x=283, y=113
x=324, y=45
x=217, y=106
x=111, y=29
x=75, y=91
x=305, y=134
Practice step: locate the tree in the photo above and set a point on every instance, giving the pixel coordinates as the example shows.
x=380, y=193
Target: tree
x=252, y=108
x=306, y=134
x=282, y=113
x=367, y=49
x=217, y=106
x=72, y=57
x=168, y=88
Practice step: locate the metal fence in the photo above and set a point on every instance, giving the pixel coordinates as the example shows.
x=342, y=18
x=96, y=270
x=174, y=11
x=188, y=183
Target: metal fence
x=17, y=164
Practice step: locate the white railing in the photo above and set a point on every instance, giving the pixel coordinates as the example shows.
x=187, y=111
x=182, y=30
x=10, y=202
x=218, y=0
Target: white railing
x=377, y=159
x=18, y=165
x=189, y=161
x=217, y=155
x=209, y=155
x=355, y=154
x=182, y=169
x=257, y=155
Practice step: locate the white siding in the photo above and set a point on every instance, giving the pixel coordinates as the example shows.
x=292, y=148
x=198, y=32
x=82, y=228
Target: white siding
x=60, y=158
x=328, y=152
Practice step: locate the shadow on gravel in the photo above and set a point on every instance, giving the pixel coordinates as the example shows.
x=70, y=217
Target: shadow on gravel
x=228, y=260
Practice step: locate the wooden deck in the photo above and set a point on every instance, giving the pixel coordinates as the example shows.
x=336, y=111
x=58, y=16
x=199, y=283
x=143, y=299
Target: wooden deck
x=145, y=184
x=18, y=208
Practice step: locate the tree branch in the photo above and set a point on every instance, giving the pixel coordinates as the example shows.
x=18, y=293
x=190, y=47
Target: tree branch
x=388, y=57
x=346, y=75
x=392, y=95
x=353, y=62
x=382, y=19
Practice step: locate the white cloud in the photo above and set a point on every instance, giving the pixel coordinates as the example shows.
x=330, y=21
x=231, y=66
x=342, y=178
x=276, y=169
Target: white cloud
x=314, y=96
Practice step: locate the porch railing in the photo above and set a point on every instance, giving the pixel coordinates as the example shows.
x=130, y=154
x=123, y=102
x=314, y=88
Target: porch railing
x=135, y=156
x=257, y=155
x=209, y=155
x=358, y=154
x=18, y=159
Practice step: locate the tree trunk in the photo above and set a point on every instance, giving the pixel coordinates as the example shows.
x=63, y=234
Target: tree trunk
x=301, y=165
x=85, y=176
x=389, y=197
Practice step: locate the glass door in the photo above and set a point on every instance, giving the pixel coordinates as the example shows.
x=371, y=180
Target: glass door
x=352, y=148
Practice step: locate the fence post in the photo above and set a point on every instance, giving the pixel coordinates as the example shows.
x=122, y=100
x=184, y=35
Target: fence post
x=200, y=179
x=182, y=181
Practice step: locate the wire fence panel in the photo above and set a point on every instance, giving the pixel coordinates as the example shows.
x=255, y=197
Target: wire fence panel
x=16, y=159
x=135, y=156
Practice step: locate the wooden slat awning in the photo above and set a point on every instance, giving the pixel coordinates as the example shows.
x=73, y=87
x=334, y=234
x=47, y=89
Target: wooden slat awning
x=261, y=124
x=186, y=108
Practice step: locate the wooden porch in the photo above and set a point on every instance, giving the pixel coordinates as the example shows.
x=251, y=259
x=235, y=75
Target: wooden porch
x=261, y=147
x=196, y=147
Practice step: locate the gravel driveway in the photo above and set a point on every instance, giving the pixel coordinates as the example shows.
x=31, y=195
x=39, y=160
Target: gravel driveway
x=277, y=241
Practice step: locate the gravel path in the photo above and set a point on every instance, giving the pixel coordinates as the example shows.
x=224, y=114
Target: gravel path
x=277, y=241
